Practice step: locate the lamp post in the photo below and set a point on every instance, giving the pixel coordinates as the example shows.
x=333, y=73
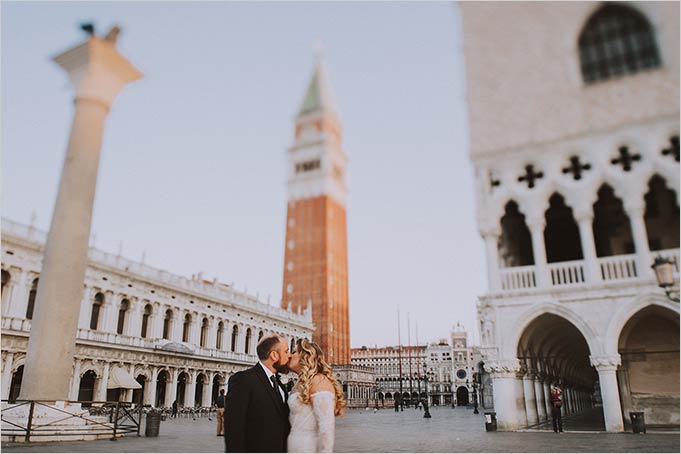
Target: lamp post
x=664, y=272
x=475, y=394
x=426, y=413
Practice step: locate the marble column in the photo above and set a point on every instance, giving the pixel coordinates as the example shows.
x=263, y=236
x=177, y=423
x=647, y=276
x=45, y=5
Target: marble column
x=150, y=388
x=75, y=380
x=521, y=405
x=211, y=334
x=8, y=294
x=607, y=369
x=530, y=398
x=592, y=269
x=539, y=396
x=504, y=373
x=7, y=375
x=492, y=252
x=102, y=383
x=539, y=251
x=207, y=390
x=19, y=302
x=86, y=308
x=171, y=388
x=178, y=326
x=133, y=325
x=547, y=396
x=639, y=232
x=98, y=73
x=190, y=390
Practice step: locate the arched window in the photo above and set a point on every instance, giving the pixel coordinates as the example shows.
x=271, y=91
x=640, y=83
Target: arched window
x=248, y=341
x=167, y=324
x=186, y=327
x=204, y=332
x=145, y=320
x=616, y=40
x=31, y=299
x=125, y=305
x=218, y=340
x=96, y=307
x=260, y=335
x=293, y=345
x=5, y=280
x=235, y=334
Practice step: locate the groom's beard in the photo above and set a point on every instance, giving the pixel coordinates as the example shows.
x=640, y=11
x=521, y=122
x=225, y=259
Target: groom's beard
x=281, y=368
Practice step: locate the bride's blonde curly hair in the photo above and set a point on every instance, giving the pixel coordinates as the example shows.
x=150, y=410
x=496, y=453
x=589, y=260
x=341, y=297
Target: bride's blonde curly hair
x=312, y=363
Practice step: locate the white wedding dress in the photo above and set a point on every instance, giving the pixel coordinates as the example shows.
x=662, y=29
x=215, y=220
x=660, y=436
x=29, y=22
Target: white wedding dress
x=312, y=426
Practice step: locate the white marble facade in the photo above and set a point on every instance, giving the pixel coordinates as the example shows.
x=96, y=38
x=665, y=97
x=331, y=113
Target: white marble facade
x=180, y=338
x=577, y=185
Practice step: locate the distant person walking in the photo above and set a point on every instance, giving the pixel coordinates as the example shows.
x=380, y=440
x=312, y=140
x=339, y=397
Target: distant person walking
x=174, y=415
x=220, y=412
x=556, y=406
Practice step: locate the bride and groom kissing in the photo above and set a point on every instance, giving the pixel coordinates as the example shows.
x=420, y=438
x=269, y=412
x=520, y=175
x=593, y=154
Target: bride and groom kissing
x=260, y=414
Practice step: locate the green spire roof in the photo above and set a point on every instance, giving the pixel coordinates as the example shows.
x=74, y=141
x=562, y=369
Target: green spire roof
x=319, y=96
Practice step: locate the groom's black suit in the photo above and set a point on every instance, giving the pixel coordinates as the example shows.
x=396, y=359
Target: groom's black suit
x=256, y=417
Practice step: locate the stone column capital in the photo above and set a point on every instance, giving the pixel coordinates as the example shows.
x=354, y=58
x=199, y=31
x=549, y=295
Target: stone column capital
x=606, y=363
x=503, y=368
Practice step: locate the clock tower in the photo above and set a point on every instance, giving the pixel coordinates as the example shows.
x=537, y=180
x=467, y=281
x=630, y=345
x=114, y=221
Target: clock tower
x=316, y=251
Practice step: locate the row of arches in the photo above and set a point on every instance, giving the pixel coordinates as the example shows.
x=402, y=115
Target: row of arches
x=611, y=227
x=556, y=348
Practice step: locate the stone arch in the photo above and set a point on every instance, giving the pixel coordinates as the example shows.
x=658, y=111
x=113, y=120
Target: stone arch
x=620, y=318
x=529, y=316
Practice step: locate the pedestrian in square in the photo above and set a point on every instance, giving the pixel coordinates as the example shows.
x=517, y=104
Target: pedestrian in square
x=556, y=406
x=220, y=412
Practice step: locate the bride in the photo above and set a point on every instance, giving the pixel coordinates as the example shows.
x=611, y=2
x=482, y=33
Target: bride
x=314, y=401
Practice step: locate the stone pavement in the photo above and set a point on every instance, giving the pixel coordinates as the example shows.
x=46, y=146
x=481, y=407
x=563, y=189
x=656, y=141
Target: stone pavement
x=449, y=430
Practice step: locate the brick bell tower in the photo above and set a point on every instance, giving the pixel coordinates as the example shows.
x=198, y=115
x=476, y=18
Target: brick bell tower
x=316, y=251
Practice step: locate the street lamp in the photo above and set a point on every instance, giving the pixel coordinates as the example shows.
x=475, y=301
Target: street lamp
x=426, y=374
x=664, y=272
x=475, y=394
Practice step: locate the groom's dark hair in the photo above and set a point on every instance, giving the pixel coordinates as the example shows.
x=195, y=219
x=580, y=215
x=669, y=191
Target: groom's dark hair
x=266, y=346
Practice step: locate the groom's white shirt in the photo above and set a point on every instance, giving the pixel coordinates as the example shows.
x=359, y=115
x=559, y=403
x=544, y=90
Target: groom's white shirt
x=269, y=378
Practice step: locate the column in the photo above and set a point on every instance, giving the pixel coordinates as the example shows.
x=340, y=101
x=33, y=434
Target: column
x=178, y=325
x=640, y=234
x=86, y=308
x=530, y=398
x=190, y=389
x=156, y=321
x=8, y=300
x=75, y=380
x=109, y=316
x=19, y=301
x=171, y=388
x=547, y=396
x=539, y=250
x=539, y=396
x=520, y=405
x=503, y=375
x=7, y=375
x=98, y=73
x=211, y=336
x=592, y=269
x=567, y=402
x=207, y=390
x=607, y=368
x=195, y=329
x=128, y=392
x=150, y=388
x=102, y=384
x=133, y=325
x=492, y=251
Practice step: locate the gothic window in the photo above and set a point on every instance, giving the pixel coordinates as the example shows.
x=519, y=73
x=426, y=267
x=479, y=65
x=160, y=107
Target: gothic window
x=185, y=328
x=204, y=332
x=31, y=299
x=235, y=335
x=661, y=216
x=260, y=334
x=145, y=320
x=611, y=227
x=96, y=308
x=615, y=41
x=5, y=280
x=125, y=305
x=218, y=340
x=167, y=321
x=561, y=234
x=515, y=242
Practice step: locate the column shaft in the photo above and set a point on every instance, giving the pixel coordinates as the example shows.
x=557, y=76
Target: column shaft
x=539, y=251
x=639, y=232
x=7, y=375
x=530, y=400
x=539, y=396
x=592, y=268
x=75, y=380
x=492, y=249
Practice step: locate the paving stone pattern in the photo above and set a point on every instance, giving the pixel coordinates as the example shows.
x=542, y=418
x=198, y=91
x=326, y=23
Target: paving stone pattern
x=449, y=430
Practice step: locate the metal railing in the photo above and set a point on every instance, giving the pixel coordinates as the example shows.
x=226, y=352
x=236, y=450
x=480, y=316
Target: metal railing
x=97, y=418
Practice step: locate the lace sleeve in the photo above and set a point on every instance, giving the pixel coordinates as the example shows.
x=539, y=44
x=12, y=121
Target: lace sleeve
x=323, y=405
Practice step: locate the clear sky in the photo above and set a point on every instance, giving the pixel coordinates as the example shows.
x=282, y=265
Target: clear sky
x=193, y=169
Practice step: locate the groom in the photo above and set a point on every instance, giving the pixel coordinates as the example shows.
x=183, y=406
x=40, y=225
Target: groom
x=256, y=413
